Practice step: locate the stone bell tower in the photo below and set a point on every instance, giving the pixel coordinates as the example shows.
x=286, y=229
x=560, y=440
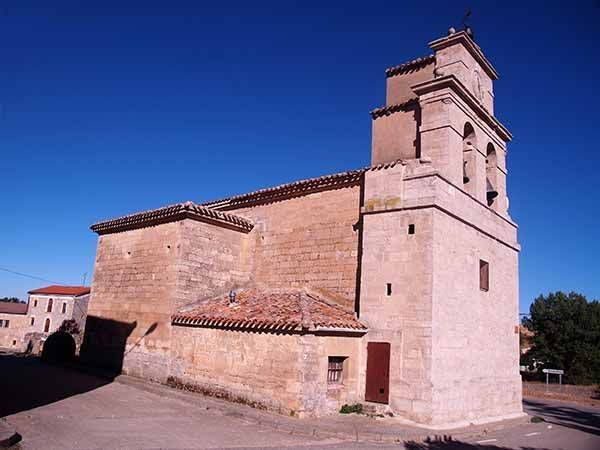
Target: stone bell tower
x=439, y=278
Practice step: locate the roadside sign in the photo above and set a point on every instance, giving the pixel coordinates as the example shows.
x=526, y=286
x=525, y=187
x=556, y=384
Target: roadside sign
x=554, y=371
x=549, y=372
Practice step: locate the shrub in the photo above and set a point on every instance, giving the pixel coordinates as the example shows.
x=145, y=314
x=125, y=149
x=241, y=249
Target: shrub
x=357, y=408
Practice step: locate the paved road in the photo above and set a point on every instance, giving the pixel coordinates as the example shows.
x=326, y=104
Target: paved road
x=55, y=408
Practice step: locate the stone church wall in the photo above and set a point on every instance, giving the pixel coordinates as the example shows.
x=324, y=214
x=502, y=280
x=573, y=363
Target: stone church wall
x=286, y=373
x=308, y=240
x=475, y=368
x=141, y=277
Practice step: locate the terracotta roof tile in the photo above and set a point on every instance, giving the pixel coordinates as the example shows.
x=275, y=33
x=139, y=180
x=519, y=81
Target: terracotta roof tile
x=410, y=66
x=390, y=109
x=270, y=310
x=13, y=308
x=172, y=213
x=62, y=290
x=295, y=189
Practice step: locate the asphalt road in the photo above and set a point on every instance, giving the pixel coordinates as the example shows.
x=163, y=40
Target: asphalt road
x=56, y=408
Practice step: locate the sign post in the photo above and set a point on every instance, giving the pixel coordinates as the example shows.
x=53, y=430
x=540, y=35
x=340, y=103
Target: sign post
x=549, y=372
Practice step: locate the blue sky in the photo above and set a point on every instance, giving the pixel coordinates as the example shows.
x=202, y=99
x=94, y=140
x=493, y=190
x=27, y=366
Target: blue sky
x=125, y=106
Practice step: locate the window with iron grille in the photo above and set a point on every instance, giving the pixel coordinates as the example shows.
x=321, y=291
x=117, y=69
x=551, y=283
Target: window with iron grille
x=335, y=370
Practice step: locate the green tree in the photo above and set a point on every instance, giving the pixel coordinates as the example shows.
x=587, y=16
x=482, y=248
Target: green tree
x=566, y=331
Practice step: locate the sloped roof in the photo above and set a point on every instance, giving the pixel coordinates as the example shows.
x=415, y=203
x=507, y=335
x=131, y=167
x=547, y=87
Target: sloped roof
x=271, y=311
x=172, y=213
x=62, y=290
x=410, y=66
x=390, y=109
x=13, y=308
x=296, y=188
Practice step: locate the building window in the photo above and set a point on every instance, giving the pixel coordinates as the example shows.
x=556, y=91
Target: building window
x=32, y=321
x=1, y=323
x=411, y=228
x=64, y=307
x=49, y=308
x=388, y=289
x=6, y=323
x=35, y=303
x=335, y=369
x=484, y=275
x=46, y=325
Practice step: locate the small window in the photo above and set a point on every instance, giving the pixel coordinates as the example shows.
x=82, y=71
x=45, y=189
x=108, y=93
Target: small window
x=6, y=323
x=1, y=323
x=389, y=289
x=35, y=303
x=484, y=275
x=49, y=308
x=335, y=370
x=32, y=321
x=14, y=342
x=411, y=228
x=47, y=326
x=64, y=307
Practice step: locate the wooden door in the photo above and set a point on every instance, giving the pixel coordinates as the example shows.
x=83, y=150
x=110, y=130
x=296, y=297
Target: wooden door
x=378, y=372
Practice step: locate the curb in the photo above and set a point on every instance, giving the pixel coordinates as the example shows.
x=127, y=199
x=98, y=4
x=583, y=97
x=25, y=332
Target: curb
x=292, y=426
x=8, y=435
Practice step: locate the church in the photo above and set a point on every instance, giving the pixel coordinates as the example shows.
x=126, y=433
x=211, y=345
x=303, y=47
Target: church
x=394, y=285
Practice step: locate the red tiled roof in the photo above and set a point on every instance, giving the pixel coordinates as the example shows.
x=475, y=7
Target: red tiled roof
x=270, y=310
x=410, y=66
x=172, y=213
x=62, y=290
x=390, y=109
x=295, y=189
x=13, y=308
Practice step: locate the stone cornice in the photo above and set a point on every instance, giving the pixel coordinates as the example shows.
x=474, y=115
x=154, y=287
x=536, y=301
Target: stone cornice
x=173, y=213
x=450, y=81
x=463, y=38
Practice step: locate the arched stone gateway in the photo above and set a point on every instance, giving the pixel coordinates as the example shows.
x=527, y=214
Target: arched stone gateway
x=59, y=347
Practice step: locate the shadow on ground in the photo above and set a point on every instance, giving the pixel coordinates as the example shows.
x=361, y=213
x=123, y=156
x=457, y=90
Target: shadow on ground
x=446, y=443
x=28, y=382
x=566, y=416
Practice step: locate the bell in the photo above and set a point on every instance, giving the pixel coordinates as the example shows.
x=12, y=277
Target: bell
x=490, y=191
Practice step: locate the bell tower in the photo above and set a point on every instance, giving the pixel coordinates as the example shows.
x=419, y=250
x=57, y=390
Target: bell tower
x=439, y=269
x=441, y=107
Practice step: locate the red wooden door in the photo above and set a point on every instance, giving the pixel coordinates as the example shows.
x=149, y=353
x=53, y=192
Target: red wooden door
x=378, y=372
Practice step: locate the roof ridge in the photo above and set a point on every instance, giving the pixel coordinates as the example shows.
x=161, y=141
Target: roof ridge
x=409, y=66
x=390, y=109
x=288, y=190
x=170, y=213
